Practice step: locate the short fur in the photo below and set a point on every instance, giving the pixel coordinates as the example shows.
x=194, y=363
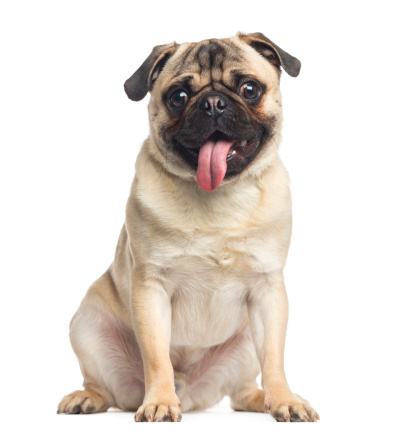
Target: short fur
x=194, y=304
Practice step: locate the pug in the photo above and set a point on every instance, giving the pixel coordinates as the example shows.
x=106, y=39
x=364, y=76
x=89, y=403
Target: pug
x=194, y=305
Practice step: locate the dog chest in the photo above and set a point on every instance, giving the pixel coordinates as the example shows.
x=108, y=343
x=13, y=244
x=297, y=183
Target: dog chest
x=215, y=255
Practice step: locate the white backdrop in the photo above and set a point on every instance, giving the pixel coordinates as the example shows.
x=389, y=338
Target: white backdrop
x=69, y=139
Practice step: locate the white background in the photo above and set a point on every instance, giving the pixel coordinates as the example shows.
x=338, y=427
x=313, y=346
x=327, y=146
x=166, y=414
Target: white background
x=69, y=139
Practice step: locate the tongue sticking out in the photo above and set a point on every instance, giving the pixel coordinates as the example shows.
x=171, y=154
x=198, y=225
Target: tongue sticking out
x=212, y=163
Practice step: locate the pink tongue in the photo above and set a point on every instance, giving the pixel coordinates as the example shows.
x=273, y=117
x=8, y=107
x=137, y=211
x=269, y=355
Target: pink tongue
x=212, y=163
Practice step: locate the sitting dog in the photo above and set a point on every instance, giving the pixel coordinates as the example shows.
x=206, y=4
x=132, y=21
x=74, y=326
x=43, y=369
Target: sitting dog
x=194, y=304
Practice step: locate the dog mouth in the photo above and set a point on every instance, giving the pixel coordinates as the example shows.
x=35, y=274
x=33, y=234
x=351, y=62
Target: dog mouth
x=221, y=156
x=238, y=147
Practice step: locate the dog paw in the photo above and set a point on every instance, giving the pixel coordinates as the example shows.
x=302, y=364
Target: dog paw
x=82, y=402
x=159, y=412
x=291, y=409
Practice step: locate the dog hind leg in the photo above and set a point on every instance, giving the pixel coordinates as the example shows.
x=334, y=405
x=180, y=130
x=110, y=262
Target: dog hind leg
x=109, y=358
x=250, y=399
x=84, y=402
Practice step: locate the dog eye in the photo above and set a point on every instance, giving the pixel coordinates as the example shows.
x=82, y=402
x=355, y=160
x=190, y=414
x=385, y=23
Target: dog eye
x=178, y=99
x=250, y=90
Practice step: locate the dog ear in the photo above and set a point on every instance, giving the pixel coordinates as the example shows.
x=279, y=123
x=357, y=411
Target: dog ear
x=141, y=82
x=273, y=53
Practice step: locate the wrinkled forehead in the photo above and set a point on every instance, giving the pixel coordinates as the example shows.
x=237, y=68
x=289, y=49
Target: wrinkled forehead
x=216, y=60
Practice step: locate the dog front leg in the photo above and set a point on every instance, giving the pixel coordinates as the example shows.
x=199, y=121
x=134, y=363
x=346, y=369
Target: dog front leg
x=268, y=315
x=151, y=309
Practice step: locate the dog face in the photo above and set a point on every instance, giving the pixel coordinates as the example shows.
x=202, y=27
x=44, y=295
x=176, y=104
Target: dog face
x=215, y=106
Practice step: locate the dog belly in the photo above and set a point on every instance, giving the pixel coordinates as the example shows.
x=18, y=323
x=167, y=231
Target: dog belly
x=208, y=297
x=207, y=319
x=203, y=376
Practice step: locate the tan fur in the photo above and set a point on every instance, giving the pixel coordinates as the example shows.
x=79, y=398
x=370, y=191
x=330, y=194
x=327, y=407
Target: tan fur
x=195, y=296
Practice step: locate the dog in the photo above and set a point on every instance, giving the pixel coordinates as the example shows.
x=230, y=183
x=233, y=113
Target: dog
x=194, y=304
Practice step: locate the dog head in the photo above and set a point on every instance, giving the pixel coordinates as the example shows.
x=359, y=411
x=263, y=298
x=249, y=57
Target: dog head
x=215, y=108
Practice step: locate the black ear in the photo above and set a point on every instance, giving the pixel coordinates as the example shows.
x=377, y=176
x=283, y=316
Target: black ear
x=137, y=86
x=273, y=53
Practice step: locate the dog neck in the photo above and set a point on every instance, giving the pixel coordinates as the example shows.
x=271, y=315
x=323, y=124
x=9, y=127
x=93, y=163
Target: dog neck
x=162, y=192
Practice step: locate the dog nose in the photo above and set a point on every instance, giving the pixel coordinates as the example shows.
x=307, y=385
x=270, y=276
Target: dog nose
x=214, y=104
